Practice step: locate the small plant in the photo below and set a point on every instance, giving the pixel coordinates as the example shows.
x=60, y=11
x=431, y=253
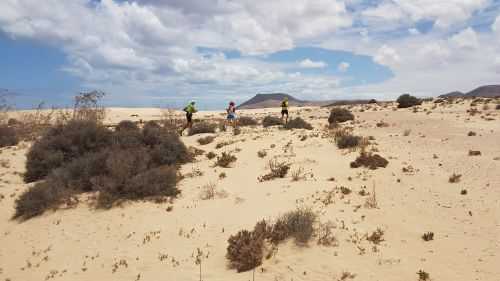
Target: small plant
x=298, y=123
x=428, y=236
x=454, y=178
x=345, y=190
x=347, y=141
x=406, y=100
x=325, y=235
x=202, y=128
x=8, y=136
x=340, y=115
x=297, y=224
x=222, y=175
x=278, y=170
x=269, y=121
x=474, y=153
x=347, y=275
x=211, y=155
x=471, y=134
x=371, y=161
x=236, y=131
x=423, y=276
x=261, y=153
x=497, y=107
x=298, y=174
x=376, y=237
x=463, y=192
x=245, y=250
x=225, y=160
x=382, y=124
x=206, y=140
x=407, y=132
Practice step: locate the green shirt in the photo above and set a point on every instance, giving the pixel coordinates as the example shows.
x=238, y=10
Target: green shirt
x=284, y=104
x=190, y=109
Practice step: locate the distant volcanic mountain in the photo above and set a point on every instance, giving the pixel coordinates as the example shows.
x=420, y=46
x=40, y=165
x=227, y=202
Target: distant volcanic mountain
x=488, y=91
x=275, y=99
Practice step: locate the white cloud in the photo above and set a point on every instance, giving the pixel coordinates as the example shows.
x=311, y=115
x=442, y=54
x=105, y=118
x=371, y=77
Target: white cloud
x=387, y=56
x=496, y=25
x=466, y=39
x=343, y=66
x=307, y=63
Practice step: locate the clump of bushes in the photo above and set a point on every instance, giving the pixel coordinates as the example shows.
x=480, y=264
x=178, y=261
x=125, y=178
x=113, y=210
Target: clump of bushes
x=278, y=170
x=428, y=236
x=8, y=136
x=340, y=115
x=246, y=249
x=406, y=100
x=225, y=160
x=202, y=128
x=372, y=161
x=298, y=123
x=206, y=140
x=344, y=139
x=269, y=121
x=83, y=156
x=247, y=121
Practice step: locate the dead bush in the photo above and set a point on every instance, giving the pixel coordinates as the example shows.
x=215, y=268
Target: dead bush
x=298, y=224
x=325, y=235
x=298, y=123
x=471, y=134
x=369, y=160
x=211, y=155
x=87, y=107
x=225, y=160
x=206, y=140
x=340, y=115
x=428, y=236
x=376, y=237
x=63, y=143
x=202, y=128
x=126, y=125
x=474, y=153
x=8, y=136
x=245, y=250
x=269, y=121
x=278, y=170
x=454, y=178
x=347, y=141
x=36, y=200
x=247, y=121
x=261, y=153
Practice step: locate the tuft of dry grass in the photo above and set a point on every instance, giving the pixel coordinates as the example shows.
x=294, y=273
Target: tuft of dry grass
x=376, y=237
x=454, y=178
x=278, y=170
x=225, y=160
x=474, y=153
x=428, y=236
x=211, y=155
x=206, y=140
x=369, y=160
x=261, y=153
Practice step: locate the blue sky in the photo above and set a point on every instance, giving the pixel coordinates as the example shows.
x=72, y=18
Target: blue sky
x=166, y=52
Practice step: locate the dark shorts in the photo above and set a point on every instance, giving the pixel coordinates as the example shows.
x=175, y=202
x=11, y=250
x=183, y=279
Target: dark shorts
x=284, y=112
x=189, y=117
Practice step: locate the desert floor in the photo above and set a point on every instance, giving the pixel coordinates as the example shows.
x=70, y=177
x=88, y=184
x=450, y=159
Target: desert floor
x=144, y=241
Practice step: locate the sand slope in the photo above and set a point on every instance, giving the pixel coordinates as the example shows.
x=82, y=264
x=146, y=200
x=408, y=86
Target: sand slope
x=144, y=241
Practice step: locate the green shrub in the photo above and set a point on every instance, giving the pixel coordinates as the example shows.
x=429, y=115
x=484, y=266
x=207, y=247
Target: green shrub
x=269, y=121
x=406, y=100
x=8, y=136
x=340, y=115
x=298, y=123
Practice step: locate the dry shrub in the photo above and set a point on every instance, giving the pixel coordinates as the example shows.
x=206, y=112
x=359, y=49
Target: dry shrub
x=269, y=121
x=454, y=178
x=325, y=234
x=85, y=161
x=35, y=123
x=298, y=123
x=206, y=140
x=407, y=132
x=202, y=128
x=8, y=136
x=209, y=191
x=382, y=124
x=87, y=107
x=369, y=160
x=298, y=224
x=63, y=143
x=261, y=153
x=211, y=155
x=245, y=250
x=423, y=276
x=497, y=107
x=247, y=121
x=126, y=125
x=474, y=153
x=340, y=115
x=428, y=236
x=406, y=100
x=225, y=160
x=471, y=134
x=347, y=141
x=376, y=237
x=278, y=170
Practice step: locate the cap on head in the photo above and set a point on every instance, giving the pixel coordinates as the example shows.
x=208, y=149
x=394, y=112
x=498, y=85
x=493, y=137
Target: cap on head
x=193, y=102
x=286, y=98
x=231, y=103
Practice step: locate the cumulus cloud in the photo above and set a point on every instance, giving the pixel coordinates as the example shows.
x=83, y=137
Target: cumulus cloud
x=387, y=56
x=467, y=39
x=307, y=63
x=343, y=66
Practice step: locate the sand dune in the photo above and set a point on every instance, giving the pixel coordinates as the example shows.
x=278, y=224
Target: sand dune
x=145, y=241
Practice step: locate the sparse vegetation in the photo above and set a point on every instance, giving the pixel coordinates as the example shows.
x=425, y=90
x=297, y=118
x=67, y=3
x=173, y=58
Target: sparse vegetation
x=8, y=136
x=406, y=100
x=376, y=237
x=269, y=121
x=225, y=160
x=202, y=128
x=428, y=236
x=471, y=134
x=206, y=140
x=369, y=160
x=454, y=178
x=261, y=153
x=245, y=250
x=247, y=121
x=278, y=170
x=347, y=141
x=211, y=155
x=423, y=276
x=340, y=115
x=407, y=132
x=474, y=153
x=298, y=123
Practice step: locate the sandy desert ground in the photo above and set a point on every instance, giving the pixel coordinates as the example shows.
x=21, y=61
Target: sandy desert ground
x=144, y=241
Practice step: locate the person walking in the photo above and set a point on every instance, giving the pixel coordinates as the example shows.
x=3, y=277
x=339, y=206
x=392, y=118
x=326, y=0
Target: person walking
x=284, y=110
x=190, y=110
x=231, y=114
